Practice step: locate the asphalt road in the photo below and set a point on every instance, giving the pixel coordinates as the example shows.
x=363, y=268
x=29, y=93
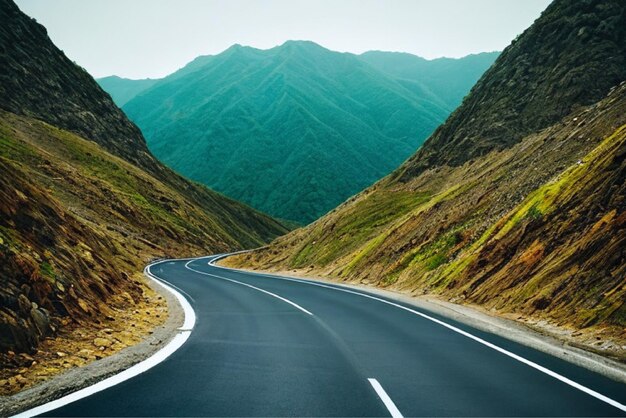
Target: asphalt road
x=308, y=350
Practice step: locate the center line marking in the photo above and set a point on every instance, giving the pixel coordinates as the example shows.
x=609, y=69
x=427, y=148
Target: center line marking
x=391, y=407
x=508, y=353
x=295, y=305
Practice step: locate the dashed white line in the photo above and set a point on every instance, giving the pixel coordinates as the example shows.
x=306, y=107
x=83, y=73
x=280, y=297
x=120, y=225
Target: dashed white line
x=514, y=356
x=391, y=407
x=295, y=305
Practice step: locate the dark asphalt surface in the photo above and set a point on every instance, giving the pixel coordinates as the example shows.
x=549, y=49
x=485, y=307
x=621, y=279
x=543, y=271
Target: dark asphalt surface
x=251, y=354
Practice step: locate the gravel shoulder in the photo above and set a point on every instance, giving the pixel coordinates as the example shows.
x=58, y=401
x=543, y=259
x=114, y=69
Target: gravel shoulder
x=81, y=377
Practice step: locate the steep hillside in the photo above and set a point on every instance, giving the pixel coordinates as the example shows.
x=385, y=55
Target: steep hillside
x=449, y=79
x=293, y=130
x=124, y=89
x=570, y=57
x=534, y=227
x=80, y=215
x=39, y=81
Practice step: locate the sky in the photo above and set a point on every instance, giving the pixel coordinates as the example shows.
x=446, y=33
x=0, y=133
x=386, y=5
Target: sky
x=153, y=38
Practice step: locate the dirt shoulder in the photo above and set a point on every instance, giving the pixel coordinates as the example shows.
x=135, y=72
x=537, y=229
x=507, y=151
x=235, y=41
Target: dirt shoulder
x=80, y=357
x=543, y=337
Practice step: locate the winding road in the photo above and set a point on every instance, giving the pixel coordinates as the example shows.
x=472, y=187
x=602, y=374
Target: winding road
x=271, y=346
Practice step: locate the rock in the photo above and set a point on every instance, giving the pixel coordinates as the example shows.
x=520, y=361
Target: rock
x=102, y=342
x=26, y=357
x=41, y=320
x=85, y=354
x=23, y=303
x=61, y=354
x=83, y=305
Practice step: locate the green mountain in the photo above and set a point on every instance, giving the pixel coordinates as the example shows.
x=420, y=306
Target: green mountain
x=447, y=78
x=83, y=204
x=517, y=203
x=292, y=130
x=124, y=89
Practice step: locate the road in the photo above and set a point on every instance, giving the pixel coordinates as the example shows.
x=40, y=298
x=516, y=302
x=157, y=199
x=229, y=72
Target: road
x=266, y=346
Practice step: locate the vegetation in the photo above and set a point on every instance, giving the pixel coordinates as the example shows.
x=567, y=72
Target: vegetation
x=296, y=129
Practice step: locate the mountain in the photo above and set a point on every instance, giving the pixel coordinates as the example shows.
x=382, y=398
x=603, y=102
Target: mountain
x=521, y=94
x=124, y=89
x=517, y=203
x=68, y=97
x=293, y=130
x=84, y=205
x=449, y=79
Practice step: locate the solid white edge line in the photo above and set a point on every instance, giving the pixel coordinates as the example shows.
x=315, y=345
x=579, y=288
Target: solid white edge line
x=179, y=339
x=391, y=407
x=521, y=359
x=295, y=305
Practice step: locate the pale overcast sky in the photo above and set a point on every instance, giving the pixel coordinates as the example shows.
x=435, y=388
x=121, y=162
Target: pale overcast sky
x=152, y=38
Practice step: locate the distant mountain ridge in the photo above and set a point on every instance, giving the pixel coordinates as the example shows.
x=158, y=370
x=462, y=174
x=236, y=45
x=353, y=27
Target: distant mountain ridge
x=450, y=79
x=124, y=89
x=292, y=130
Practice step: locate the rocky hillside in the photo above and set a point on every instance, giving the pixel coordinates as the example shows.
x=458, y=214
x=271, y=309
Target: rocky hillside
x=530, y=225
x=293, y=130
x=570, y=57
x=84, y=205
x=39, y=81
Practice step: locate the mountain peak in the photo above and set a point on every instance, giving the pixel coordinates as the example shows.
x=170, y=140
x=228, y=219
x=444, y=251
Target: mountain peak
x=301, y=45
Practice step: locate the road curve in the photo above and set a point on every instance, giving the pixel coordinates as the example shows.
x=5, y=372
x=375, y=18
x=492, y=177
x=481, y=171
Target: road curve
x=267, y=346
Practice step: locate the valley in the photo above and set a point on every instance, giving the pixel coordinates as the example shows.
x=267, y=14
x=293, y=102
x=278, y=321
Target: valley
x=287, y=230
x=516, y=213
x=296, y=129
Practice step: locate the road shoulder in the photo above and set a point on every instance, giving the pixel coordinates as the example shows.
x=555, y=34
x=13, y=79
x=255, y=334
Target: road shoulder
x=81, y=377
x=483, y=321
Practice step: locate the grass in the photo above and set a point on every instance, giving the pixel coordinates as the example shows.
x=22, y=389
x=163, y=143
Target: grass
x=367, y=217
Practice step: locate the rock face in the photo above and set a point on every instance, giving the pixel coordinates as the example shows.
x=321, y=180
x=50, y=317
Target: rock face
x=510, y=205
x=39, y=81
x=573, y=54
x=83, y=204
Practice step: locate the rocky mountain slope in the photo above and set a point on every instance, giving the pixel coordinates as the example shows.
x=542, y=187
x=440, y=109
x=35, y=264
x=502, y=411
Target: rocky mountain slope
x=39, y=81
x=124, y=89
x=293, y=130
x=84, y=205
x=570, y=58
x=507, y=207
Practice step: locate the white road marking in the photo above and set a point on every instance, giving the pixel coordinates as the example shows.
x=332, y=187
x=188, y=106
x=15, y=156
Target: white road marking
x=391, y=407
x=514, y=356
x=295, y=305
x=158, y=357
